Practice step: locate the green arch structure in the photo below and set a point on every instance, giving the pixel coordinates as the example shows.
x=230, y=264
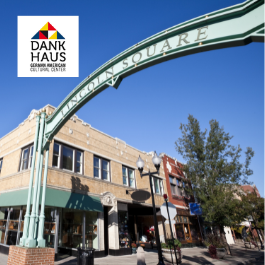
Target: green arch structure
x=232, y=26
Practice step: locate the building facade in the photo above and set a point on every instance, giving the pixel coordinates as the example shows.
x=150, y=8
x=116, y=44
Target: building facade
x=91, y=177
x=187, y=226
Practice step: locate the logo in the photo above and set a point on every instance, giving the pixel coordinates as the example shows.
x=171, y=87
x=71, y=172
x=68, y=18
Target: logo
x=47, y=32
x=48, y=52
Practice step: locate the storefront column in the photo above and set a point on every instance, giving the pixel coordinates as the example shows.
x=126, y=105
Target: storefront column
x=37, y=219
x=56, y=238
x=108, y=199
x=84, y=231
x=27, y=216
x=30, y=241
x=41, y=240
x=113, y=228
x=101, y=230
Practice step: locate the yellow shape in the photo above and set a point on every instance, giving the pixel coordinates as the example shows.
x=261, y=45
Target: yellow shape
x=54, y=36
x=45, y=27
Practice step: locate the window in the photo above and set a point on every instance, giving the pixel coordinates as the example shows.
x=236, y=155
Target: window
x=172, y=185
x=1, y=164
x=101, y=168
x=157, y=186
x=128, y=177
x=67, y=158
x=26, y=158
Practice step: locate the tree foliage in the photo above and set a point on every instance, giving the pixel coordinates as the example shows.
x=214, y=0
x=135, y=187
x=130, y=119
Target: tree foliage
x=254, y=207
x=214, y=170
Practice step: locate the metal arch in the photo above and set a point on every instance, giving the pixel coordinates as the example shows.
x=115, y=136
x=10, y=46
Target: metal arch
x=232, y=26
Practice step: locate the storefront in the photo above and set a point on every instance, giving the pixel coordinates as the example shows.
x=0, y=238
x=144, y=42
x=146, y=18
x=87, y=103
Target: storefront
x=65, y=228
x=187, y=229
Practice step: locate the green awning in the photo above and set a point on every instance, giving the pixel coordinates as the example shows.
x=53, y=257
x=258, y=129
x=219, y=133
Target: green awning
x=55, y=198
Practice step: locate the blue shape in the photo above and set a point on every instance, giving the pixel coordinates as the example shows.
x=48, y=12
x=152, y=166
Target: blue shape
x=195, y=209
x=36, y=36
x=59, y=36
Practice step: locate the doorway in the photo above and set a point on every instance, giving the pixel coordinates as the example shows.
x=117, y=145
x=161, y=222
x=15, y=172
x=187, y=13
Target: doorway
x=106, y=230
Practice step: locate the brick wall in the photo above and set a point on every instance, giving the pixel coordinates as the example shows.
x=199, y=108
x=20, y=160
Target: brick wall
x=30, y=256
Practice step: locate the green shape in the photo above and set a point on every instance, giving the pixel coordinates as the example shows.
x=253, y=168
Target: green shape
x=54, y=198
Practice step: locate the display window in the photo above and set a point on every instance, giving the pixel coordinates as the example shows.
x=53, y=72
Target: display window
x=124, y=238
x=13, y=224
x=187, y=229
x=71, y=229
x=50, y=226
x=3, y=223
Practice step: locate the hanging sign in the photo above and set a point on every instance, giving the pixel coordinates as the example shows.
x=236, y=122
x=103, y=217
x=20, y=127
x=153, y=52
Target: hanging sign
x=195, y=208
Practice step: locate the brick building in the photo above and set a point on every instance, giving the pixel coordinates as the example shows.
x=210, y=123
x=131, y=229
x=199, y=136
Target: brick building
x=91, y=177
x=187, y=228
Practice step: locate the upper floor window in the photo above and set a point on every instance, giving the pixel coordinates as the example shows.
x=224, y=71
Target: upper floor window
x=1, y=164
x=158, y=186
x=173, y=185
x=67, y=158
x=101, y=168
x=128, y=177
x=26, y=158
x=177, y=186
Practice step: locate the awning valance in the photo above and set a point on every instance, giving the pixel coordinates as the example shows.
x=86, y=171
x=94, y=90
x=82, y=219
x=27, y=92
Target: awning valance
x=55, y=198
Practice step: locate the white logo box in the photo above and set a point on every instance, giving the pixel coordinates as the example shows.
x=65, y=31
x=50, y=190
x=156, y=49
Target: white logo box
x=27, y=27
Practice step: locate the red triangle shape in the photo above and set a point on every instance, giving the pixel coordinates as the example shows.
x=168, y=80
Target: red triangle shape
x=50, y=27
x=41, y=36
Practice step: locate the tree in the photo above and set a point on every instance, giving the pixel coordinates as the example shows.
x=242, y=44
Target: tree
x=254, y=208
x=214, y=171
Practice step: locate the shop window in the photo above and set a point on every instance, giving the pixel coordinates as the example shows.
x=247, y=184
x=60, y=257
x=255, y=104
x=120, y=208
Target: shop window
x=49, y=226
x=26, y=158
x=13, y=224
x=91, y=230
x=1, y=164
x=67, y=158
x=71, y=229
x=157, y=186
x=101, y=168
x=124, y=240
x=128, y=177
x=3, y=223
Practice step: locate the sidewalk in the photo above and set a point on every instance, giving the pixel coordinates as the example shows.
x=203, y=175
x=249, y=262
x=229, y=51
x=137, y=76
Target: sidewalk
x=191, y=256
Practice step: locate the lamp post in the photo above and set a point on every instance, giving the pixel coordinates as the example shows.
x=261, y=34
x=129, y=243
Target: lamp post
x=172, y=237
x=140, y=165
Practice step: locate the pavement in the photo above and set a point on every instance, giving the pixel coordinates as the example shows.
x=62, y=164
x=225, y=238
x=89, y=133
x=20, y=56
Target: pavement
x=191, y=256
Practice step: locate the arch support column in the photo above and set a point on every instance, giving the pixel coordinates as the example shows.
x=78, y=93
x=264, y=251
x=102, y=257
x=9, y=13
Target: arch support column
x=31, y=241
x=27, y=216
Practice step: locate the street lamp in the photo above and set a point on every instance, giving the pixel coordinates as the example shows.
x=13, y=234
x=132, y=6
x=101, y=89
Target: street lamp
x=140, y=165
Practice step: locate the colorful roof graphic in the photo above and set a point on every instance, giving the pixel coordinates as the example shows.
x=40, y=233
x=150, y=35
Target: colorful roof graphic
x=47, y=32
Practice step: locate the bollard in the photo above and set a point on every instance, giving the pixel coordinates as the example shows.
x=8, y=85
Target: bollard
x=140, y=256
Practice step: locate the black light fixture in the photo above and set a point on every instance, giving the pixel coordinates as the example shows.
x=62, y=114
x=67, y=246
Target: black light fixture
x=140, y=165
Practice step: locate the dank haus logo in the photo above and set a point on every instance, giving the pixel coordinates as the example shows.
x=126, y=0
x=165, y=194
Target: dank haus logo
x=48, y=50
x=48, y=46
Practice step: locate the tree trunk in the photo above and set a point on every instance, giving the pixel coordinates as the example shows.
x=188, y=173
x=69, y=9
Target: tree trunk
x=222, y=234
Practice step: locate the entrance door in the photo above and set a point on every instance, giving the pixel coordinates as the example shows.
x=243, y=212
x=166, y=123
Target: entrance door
x=106, y=230
x=187, y=232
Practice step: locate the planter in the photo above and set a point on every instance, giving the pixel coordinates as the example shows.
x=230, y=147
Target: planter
x=220, y=253
x=133, y=250
x=167, y=255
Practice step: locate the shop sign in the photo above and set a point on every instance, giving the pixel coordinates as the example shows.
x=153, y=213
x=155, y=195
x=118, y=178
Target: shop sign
x=195, y=209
